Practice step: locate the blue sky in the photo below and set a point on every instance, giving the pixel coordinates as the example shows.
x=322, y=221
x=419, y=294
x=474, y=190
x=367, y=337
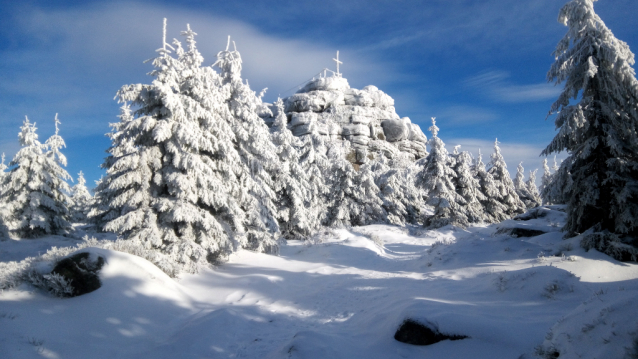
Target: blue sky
x=478, y=66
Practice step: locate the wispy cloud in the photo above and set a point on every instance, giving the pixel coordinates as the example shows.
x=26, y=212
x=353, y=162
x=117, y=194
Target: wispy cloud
x=465, y=115
x=497, y=86
x=77, y=58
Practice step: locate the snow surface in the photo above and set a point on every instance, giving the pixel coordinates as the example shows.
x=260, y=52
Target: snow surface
x=343, y=296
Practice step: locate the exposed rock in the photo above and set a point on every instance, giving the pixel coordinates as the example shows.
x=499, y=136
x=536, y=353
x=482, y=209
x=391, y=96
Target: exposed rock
x=395, y=130
x=416, y=333
x=81, y=271
x=520, y=232
x=538, y=212
x=356, y=130
x=327, y=106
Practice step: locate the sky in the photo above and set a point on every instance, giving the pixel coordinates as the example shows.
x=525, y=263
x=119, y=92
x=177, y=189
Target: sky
x=479, y=67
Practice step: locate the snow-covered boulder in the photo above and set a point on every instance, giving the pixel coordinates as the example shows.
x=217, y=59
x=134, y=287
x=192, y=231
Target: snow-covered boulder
x=380, y=99
x=395, y=130
x=354, y=97
x=315, y=101
x=356, y=130
x=326, y=83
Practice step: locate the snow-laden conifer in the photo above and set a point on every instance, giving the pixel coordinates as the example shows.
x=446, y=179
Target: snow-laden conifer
x=495, y=211
x=175, y=179
x=256, y=150
x=353, y=199
x=298, y=212
x=468, y=187
x=599, y=129
x=81, y=200
x=402, y=199
x=3, y=173
x=34, y=197
x=437, y=179
x=523, y=188
x=532, y=188
x=507, y=195
x=545, y=182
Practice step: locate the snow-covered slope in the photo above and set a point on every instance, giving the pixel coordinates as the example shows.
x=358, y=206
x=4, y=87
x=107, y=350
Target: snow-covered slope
x=344, y=297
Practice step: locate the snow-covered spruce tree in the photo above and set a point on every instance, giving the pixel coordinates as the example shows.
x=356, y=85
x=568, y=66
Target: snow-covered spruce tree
x=122, y=150
x=81, y=200
x=533, y=189
x=523, y=190
x=297, y=215
x=495, y=211
x=4, y=231
x=34, y=196
x=353, y=199
x=437, y=179
x=545, y=182
x=3, y=173
x=507, y=195
x=402, y=199
x=599, y=131
x=256, y=150
x=175, y=180
x=468, y=187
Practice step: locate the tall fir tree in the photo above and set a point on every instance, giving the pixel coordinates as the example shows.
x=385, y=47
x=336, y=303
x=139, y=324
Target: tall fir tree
x=34, y=196
x=495, y=211
x=402, y=199
x=507, y=195
x=599, y=130
x=523, y=188
x=256, y=150
x=546, y=181
x=4, y=230
x=297, y=215
x=81, y=200
x=3, y=173
x=468, y=187
x=175, y=179
x=437, y=179
x=353, y=199
x=533, y=189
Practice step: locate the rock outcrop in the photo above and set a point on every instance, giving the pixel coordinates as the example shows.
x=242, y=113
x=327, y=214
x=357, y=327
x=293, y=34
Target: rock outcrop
x=367, y=118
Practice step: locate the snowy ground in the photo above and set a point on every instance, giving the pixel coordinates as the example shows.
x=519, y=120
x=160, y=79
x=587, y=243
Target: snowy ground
x=342, y=298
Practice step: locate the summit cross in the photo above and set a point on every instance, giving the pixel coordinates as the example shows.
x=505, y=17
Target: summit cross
x=338, y=62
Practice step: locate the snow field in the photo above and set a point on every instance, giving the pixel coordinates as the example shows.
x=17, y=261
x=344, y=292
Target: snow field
x=343, y=297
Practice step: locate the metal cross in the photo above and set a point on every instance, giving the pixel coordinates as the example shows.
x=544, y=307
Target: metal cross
x=338, y=62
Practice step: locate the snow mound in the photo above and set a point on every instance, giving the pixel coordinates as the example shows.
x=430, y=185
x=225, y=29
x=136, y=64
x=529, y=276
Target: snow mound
x=601, y=327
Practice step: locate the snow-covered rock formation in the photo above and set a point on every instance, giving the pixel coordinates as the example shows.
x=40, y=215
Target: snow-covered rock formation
x=366, y=118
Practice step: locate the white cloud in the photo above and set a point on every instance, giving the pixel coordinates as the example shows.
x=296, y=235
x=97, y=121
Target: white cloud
x=497, y=86
x=77, y=59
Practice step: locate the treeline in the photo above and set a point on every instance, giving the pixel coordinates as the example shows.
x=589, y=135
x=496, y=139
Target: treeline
x=194, y=172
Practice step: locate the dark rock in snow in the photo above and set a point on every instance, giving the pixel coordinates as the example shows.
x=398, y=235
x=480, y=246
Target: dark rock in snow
x=81, y=270
x=520, y=232
x=538, y=212
x=416, y=333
